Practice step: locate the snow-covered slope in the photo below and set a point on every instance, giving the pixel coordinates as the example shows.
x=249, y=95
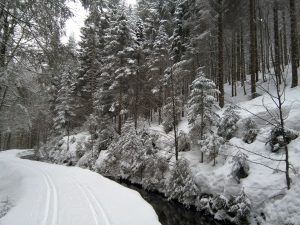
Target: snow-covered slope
x=36, y=193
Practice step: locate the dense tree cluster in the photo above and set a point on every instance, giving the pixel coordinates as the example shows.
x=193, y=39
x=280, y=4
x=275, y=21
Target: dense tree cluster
x=135, y=63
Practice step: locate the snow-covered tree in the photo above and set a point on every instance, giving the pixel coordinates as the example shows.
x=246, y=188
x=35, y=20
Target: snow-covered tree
x=227, y=126
x=91, y=54
x=64, y=104
x=201, y=107
x=250, y=131
x=202, y=101
x=210, y=145
x=181, y=184
x=240, y=166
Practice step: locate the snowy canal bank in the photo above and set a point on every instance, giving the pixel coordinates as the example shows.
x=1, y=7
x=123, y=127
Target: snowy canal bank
x=36, y=193
x=171, y=212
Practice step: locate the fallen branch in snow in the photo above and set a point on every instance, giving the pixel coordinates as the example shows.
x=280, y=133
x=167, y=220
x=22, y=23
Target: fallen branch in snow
x=255, y=153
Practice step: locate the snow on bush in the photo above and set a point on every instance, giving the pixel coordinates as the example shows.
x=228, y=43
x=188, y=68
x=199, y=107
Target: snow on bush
x=211, y=146
x=181, y=184
x=228, y=123
x=127, y=155
x=276, y=140
x=239, y=208
x=155, y=172
x=240, y=166
x=250, y=131
x=184, y=142
x=233, y=208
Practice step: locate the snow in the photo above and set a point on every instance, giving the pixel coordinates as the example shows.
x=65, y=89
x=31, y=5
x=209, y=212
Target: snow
x=265, y=185
x=37, y=193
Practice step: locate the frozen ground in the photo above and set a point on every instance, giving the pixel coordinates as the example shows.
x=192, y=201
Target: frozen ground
x=36, y=193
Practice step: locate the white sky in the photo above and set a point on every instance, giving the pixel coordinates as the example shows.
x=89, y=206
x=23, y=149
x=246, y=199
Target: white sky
x=74, y=24
x=131, y=2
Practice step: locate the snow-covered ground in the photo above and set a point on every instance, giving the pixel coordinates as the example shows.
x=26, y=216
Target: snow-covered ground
x=264, y=184
x=36, y=193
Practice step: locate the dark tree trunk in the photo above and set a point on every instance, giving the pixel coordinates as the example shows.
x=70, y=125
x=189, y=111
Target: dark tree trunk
x=174, y=115
x=220, y=56
x=285, y=48
x=294, y=43
x=253, y=49
x=276, y=43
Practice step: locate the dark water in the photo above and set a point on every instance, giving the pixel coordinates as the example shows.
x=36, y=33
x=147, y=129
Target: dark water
x=171, y=213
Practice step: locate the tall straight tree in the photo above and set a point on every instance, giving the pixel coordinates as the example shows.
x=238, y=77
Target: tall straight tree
x=294, y=43
x=253, y=49
x=276, y=42
x=220, y=54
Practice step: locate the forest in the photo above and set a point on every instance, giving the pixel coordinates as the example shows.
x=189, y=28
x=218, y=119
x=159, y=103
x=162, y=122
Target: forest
x=195, y=99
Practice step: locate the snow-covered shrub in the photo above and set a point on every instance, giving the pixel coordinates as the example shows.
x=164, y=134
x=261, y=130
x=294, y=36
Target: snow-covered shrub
x=127, y=154
x=240, y=166
x=227, y=126
x=250, y=131
x=106, y=135
x=88, y=160
x=154, y=173
x=79, y=150
x=181, y=184
x=211, y=145
x=184, y=143
x=276, y=140
x=239, y=208
x=204, y=204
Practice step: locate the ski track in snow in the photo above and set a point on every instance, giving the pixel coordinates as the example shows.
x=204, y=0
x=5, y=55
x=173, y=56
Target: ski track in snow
x=58, y=195
x=54, y=205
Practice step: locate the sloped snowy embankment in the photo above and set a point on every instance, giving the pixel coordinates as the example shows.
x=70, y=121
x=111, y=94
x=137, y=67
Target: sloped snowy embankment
x=35, y=193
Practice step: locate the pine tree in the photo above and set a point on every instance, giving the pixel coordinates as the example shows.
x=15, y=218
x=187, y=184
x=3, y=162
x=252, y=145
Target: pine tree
x=119, y=60
x=92, y=44
x=211, y=146
x=201, y=106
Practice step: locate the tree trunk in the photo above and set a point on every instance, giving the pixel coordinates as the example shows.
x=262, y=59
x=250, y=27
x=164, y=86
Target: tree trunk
x=220, y=56
x=262, y=57
x=252, y=48
x=243, y=72
x=174, y=112
x=294, y=43
x=285, y=48
x=276, y=43
x=119, y=112
x=68, y=134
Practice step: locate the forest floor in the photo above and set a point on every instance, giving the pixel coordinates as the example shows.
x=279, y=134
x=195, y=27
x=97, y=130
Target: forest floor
x=37, y=193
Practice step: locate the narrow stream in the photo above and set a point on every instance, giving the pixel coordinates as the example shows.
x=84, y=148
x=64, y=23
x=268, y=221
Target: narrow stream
x=171, y=213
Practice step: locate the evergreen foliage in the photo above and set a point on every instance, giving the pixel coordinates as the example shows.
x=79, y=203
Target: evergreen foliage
x=227, y=126
x=181, y=185
x=250, y=131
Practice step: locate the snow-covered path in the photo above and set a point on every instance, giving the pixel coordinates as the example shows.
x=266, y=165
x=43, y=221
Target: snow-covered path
x=46, y=194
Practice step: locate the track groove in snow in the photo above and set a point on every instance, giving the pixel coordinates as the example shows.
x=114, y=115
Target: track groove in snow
x=46, y=194
x=90, y=197
x=47, y=207
x=54, y=204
